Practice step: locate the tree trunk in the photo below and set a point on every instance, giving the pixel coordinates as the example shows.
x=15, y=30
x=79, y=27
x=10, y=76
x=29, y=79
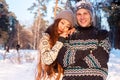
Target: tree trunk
x=55, y=9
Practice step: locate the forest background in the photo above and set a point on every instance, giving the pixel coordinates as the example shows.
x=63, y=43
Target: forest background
x=26, y=35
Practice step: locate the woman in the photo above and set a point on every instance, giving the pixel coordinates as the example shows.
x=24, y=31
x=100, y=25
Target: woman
x=51, y=43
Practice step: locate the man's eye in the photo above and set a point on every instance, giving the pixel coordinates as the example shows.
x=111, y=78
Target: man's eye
x=78, y=14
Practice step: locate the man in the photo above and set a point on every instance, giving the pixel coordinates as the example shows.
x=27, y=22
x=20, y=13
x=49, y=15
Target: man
x=86, y=55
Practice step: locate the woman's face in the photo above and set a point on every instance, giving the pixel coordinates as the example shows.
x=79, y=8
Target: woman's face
x=83, y=17
x=63, y=26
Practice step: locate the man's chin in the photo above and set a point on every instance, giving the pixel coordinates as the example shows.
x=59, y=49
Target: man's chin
x=84, y=25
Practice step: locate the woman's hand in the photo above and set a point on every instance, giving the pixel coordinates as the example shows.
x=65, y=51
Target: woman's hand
x=64, y=34
x=71, y=31
x=67, y=33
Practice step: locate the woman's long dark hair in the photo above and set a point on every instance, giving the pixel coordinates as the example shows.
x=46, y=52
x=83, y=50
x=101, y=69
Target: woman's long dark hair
x=50, y=70
x=52, y=30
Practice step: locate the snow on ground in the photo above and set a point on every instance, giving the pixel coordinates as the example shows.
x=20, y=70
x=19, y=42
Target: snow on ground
x=114, y=65
x=10, y=69
x=16, y=72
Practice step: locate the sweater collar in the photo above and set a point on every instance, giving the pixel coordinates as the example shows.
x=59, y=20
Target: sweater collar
x=79, y=28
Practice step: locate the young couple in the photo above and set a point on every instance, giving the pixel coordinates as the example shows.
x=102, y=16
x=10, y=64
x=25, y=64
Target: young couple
x=78, y=52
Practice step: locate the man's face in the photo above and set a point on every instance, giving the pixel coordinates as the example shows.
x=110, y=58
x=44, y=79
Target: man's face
x=83, y=17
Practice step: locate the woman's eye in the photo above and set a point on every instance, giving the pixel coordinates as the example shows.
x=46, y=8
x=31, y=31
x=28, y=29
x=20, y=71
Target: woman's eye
x=62, y=23
x=69, y=28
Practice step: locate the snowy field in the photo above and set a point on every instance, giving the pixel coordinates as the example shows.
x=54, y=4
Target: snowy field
x=11, y=69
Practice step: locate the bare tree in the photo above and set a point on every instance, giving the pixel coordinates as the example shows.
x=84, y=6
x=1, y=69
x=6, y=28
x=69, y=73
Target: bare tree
x=25, y=38
x=55, y=9
x=37, y=29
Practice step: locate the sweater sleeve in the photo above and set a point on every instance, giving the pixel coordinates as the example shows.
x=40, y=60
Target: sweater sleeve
x=103, y=49
x=49, y=55
x=104, y=40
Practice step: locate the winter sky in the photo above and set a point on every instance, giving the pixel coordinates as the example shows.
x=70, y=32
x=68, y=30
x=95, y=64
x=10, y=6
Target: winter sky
x=19, y=7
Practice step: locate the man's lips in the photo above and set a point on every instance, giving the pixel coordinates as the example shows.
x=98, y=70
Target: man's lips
x=83, y=21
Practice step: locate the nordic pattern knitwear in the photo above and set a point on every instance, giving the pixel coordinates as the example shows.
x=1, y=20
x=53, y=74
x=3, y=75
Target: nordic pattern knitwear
x=85, y=57
x=85, y=5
